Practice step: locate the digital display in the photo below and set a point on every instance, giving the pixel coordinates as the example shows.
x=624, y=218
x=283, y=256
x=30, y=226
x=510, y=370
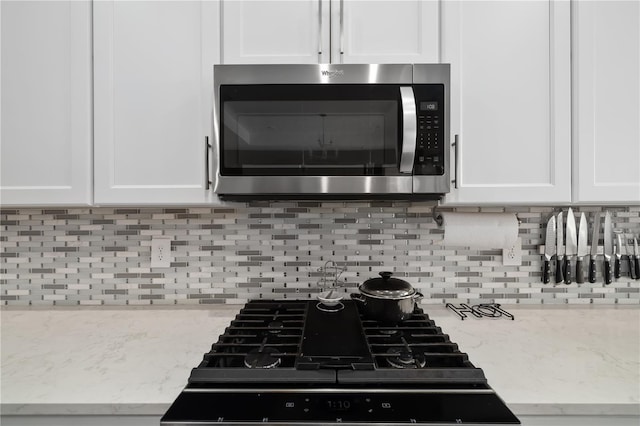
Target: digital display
x=429, y=106
x=338, y=404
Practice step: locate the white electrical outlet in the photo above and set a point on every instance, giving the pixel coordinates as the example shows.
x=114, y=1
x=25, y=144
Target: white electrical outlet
x=160, y=252
x=512, y=256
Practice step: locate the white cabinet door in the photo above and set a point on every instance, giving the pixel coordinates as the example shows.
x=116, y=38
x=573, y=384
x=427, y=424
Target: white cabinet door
x=330, y=31
x=275, y=32
x=46, y=103
x=385, y=31
x=510, y=100
x=153, y=77
x=607, y=102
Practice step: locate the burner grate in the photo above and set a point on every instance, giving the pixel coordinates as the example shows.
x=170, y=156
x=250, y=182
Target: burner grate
x=416, y=343
x=282, y=342
x=263, y=335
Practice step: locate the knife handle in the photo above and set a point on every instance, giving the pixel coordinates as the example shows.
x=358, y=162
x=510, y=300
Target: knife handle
x=632, y=268
x=567, y=269
x=637, y=268
x=546, y=272
x=607, y=271
x=559, y=268
x=579, y=271
x=616, y=268
x=592, y=270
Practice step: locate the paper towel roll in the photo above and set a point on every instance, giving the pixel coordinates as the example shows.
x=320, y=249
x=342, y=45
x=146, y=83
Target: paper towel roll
x=480, y=230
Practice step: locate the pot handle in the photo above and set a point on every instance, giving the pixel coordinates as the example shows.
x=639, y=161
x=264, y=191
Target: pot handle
x=417, y=297
x=357, y=297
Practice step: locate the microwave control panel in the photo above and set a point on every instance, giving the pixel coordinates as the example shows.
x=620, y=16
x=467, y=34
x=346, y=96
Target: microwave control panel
x=430, y=144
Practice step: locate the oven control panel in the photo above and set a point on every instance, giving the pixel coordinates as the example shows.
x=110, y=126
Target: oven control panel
x=341, y=407
x=430, y=144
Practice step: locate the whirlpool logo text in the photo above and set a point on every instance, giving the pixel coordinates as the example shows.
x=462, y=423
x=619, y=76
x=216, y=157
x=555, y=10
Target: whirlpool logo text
x=332, y=73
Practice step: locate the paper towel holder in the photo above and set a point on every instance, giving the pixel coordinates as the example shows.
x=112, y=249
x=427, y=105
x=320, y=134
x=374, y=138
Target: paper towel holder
x=437, y=217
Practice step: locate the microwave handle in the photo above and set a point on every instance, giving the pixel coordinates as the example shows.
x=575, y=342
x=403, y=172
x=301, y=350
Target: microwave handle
x=409, y=129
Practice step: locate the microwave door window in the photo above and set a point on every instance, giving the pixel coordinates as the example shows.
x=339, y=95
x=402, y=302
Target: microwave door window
x=275, y=140
x=359, y=139
x=310, y=137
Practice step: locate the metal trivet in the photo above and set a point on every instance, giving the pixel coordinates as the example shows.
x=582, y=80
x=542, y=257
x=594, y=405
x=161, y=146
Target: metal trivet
x=483, y=310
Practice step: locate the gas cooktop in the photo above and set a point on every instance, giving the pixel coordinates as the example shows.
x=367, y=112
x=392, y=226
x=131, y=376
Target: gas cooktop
x=301, y=362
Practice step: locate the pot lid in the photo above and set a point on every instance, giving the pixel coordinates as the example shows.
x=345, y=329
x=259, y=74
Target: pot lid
x=386, y=287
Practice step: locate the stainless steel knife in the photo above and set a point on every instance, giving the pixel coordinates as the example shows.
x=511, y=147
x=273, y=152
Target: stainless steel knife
x=630, y=262
x=608, y=247
x=636, y=253
x=549, y=249
x=618, y=253
x=582, y=247
x=571, y=248
x=595, y=238
x=559, y=248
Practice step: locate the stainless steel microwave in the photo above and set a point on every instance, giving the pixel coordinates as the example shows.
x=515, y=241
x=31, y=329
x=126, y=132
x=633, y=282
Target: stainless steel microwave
x=331, y=131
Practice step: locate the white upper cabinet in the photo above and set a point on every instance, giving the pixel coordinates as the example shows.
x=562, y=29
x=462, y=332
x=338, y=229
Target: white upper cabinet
x=275, y=32
x=330, y=31
x=384, y=31
x=606, y=113
x=510, y=101
x=45, y=154
x=153, y=77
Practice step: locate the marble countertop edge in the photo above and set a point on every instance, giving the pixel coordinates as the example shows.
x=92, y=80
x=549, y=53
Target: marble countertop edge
x=27, y=409
x=575, y=409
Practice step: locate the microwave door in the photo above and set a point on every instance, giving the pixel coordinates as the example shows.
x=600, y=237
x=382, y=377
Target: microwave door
x=409, y=129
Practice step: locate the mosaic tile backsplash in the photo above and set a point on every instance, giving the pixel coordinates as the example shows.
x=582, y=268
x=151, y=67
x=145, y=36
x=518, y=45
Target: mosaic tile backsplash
x=230, y=254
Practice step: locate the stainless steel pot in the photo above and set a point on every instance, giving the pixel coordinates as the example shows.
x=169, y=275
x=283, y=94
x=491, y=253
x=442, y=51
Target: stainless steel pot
x=386, y=299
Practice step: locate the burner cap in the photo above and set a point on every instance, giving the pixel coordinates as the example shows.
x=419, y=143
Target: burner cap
x=275, y=327
x=262, y=358
x=402, y=358
x=332, y=308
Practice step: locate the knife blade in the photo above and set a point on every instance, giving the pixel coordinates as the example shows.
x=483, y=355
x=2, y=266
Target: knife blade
x=618, y=253
x=608, y=247
x=636, y=252
x=582, y=247
x=595, y=237
x=571, y=248
x=630, y=262
x=549, y=249
x=559, y=248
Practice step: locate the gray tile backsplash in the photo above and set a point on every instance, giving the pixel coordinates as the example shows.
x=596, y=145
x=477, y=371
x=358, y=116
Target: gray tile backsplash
x=101, y=256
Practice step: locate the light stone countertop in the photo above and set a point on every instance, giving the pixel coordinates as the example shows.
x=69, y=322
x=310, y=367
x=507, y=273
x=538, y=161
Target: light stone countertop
x=108, y=360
